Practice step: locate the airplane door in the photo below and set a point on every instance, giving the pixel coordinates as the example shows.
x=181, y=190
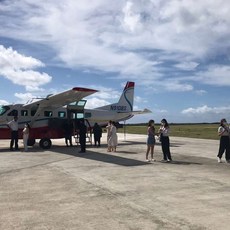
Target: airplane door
x=76, y=111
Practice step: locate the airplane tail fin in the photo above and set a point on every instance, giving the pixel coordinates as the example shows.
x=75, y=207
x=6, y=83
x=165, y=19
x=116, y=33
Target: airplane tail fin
x=125, y=103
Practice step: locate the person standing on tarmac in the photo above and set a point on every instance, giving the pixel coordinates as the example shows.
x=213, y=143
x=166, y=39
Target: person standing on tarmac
x=164, y=138
x=82, y=135
x=68, y=132
x=97, y=132
x=25, y=134
x=112, y=142
x=13, y=125
x=224, y=132
x=150, y=140
x=108, y=128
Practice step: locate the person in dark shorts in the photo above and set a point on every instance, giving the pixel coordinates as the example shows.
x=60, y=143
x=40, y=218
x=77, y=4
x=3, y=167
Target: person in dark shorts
x=150, y=140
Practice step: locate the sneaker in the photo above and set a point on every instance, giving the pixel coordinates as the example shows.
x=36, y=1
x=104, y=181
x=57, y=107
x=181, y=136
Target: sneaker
x=153, y=159
x=219, y=160
x=147, y=160
x=163, y=161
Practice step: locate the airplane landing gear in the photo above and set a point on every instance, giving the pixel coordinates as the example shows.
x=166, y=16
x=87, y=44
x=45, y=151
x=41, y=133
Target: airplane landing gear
x=45, y=143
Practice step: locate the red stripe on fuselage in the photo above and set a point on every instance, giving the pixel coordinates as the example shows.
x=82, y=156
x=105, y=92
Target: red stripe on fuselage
x=35, y=133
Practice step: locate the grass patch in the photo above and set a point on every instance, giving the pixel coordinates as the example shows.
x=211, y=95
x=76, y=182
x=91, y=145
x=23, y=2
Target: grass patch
x=202, y=131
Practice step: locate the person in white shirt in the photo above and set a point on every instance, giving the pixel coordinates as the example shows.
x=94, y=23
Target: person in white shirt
x=164, y=137
x=25, y=133
x=13, y=125
x=223, y=132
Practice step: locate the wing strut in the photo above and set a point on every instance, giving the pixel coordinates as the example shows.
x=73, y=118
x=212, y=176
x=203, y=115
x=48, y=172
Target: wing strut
x=124, y=130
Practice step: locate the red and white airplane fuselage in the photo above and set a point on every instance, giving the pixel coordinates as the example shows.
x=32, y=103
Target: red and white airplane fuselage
x=47, y=117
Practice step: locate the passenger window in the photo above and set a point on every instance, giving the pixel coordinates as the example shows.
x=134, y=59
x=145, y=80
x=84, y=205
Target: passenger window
x=13, y=113
x=61, y=114
x=79, y=116
x=48, y=113
x=24, y=113
x=33, y=112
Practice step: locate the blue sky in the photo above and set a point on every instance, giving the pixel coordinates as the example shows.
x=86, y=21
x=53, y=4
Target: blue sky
x=176, y=52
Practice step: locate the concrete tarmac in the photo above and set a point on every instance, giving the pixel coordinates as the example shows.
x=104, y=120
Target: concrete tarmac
x=61, y=188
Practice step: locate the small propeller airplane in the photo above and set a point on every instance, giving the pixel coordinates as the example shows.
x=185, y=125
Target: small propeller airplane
x=48, y=116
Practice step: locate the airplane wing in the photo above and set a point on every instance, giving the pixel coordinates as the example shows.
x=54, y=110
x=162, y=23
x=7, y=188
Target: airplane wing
x=58, y=100
x=61, y=99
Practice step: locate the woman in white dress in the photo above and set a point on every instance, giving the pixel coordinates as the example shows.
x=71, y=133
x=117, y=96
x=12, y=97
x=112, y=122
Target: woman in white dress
x=108, y=128
x=113, y=137
x=25, y=133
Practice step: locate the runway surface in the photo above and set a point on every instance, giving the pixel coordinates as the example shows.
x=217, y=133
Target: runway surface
x=61, y=188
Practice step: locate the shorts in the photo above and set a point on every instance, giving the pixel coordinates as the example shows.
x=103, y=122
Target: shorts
x=151, y=140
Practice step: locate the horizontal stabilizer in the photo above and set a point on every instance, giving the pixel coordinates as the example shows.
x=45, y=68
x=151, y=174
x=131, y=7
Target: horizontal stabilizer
x=144, y=111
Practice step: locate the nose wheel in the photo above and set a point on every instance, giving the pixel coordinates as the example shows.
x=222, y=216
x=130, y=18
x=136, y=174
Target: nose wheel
x=45, y=143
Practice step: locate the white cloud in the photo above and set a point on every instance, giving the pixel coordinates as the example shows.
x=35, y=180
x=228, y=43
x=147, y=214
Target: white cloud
x=95, y=102
x=102, y=97
x=139, y=99
x=131, y=20
x=187, y=65
x=19, y=69
x=130, y=38
x=207, y=110
x=10, y=58
x=4, y=102
x=217, y=75
x=176, y=86
x=200, y=92
x=206, y=114
x=24, y=97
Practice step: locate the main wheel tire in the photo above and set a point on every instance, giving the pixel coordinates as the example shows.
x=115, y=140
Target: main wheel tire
x=45, y=143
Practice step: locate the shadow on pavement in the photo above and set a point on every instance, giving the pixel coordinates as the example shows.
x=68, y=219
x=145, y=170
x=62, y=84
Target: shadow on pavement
x=182, y=163
x=112, y=159
x=98, y=156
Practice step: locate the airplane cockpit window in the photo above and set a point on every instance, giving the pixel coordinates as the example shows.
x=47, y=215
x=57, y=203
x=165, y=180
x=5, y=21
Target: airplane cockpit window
x=48, y=113
x=81, y=103
x=61, y=114
x=14, y=112
x=3, y=109
x=24, y=113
